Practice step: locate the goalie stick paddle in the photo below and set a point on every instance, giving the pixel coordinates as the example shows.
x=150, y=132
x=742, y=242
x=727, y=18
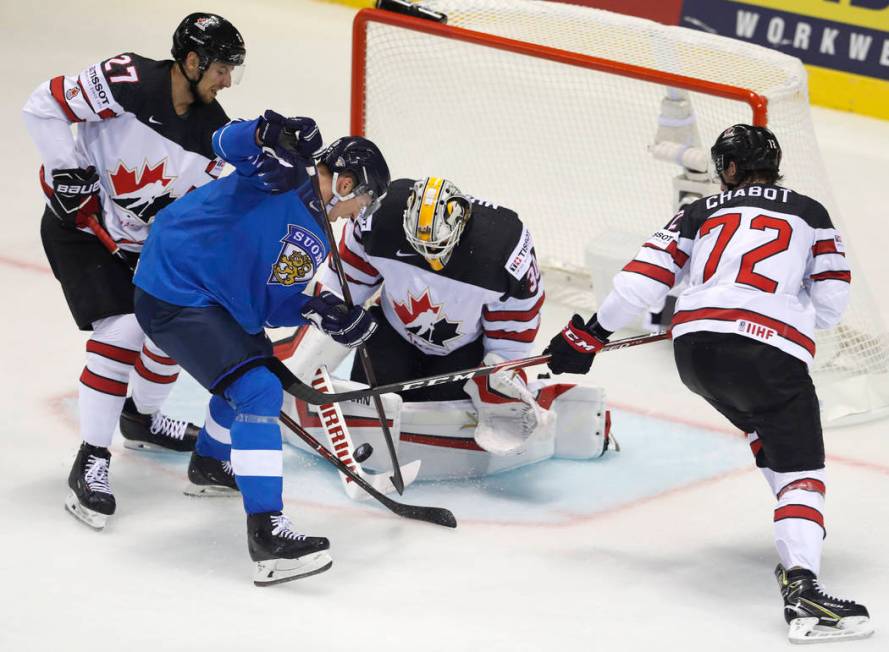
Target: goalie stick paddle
x=295, y=387
x=436, y=515
x=397, y=478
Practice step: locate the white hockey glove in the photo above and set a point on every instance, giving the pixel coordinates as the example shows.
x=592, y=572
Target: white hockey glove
x=508, y=414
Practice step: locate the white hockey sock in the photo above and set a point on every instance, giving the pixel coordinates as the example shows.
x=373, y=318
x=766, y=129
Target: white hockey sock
x=799, y=518
x=153, y=376
x=110, y=354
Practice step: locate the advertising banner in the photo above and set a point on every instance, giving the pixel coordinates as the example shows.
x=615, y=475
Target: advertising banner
x=844, y=43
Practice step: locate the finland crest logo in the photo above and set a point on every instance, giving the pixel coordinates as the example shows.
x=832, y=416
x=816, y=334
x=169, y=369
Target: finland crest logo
x=302, y=252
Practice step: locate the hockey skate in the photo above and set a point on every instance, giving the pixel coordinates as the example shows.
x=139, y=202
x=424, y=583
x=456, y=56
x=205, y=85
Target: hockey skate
x=155, y=432
x=816, y=617
x=282, y=555
x=90, y=499
x=208, y=476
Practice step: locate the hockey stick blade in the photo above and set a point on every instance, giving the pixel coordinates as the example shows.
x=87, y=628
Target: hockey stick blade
x=381, y=481
x=435, y=515
x=297, y=388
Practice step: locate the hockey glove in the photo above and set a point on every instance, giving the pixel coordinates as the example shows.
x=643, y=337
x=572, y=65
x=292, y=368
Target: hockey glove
x=290, y=139
x=75, y=195
x=507, y=411
x=572, y=351
x=350, y=327
x=276, y=175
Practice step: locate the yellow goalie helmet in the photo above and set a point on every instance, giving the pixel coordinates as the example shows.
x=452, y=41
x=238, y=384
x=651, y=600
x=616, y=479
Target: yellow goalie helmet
x=434, y=218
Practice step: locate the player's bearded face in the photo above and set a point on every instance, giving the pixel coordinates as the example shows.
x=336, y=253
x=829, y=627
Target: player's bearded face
x=217, y=77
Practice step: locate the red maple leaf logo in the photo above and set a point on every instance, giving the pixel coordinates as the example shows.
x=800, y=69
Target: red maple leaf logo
x=126, y=181
x=409, y=311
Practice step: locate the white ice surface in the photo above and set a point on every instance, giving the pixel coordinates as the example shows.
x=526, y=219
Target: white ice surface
x=666, y=546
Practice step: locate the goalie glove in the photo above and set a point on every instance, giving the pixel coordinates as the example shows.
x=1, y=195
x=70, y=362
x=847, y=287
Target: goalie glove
x=572, y=351
x=508, y=414
x=290, y=139
x=75, y=196
x=350, y=327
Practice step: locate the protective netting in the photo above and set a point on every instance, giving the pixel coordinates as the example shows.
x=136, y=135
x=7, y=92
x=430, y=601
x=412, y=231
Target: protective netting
x=566, y=146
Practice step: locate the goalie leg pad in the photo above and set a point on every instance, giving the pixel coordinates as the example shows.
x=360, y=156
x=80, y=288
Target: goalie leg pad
x=583, y=423
x=314, y=350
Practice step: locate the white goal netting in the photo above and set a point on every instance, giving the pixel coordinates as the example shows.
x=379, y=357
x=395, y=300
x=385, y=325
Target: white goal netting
x=567, y=146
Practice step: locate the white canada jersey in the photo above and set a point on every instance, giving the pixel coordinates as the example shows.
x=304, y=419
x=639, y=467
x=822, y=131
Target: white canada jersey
x=144, y=153
x=490, y=287
x=761, y=261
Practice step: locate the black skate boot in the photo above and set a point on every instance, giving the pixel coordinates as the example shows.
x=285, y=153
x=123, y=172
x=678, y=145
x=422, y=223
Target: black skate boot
x=90, y=499
x=156, y=432
x=282, y=555
x=813, y=615
x=208, y=476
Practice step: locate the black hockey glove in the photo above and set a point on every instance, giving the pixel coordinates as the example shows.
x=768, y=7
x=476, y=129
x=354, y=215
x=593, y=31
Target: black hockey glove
x=572, y=351
x=291, y=139
x=75, y=195
x=350, y=327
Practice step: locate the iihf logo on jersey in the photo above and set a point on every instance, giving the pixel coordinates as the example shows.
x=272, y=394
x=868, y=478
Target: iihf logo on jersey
x=302, y=252
x=424, y=321
x=753, y=329
x=142, y=191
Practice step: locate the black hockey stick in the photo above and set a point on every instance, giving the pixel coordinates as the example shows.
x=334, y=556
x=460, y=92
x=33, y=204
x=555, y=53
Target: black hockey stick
x=436, y=515
x=397, y=479
x=297, y=388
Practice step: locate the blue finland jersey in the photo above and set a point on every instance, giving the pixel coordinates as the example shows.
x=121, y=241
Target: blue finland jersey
x=232, y=243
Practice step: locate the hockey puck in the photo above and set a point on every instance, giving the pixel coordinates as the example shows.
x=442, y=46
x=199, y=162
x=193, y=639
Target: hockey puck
x=362, y=452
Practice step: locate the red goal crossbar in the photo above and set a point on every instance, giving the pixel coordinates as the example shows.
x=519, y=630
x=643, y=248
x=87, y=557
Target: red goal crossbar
x=758, y=103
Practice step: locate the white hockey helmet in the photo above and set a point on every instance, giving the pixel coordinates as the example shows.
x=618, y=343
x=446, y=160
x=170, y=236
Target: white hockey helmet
x=434, y=218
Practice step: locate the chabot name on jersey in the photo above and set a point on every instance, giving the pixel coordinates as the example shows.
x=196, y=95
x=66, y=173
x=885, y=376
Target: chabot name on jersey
x=751, y=191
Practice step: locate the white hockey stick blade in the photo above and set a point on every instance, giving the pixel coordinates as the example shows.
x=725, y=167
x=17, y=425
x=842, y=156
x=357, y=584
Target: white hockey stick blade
x=381, y=481
x=804, y=631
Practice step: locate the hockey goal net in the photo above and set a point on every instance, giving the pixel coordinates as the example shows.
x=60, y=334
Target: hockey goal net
x=550, y=109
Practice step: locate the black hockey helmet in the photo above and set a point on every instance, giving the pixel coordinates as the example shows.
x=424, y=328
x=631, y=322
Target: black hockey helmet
x=212, y=37
x=753, y=149
x=360, y=157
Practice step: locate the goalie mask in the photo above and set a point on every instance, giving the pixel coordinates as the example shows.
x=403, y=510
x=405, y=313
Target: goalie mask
x=434, y=218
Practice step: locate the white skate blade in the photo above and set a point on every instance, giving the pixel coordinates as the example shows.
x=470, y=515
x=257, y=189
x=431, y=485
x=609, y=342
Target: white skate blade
x=209, y=491
x=276, y=571
x=381, y=481
x=144, y=446
x=92, y=518
x=806, y=630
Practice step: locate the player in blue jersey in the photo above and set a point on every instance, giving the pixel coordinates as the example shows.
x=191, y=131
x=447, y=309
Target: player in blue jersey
x=230, y=259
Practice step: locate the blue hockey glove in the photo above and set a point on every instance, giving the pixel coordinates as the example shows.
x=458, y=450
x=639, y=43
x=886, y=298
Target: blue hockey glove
x=276, y=175
x=350, y=327
x=291, y=139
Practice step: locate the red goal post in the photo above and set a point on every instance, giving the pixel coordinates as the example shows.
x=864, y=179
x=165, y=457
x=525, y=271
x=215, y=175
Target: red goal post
x=758, y=103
